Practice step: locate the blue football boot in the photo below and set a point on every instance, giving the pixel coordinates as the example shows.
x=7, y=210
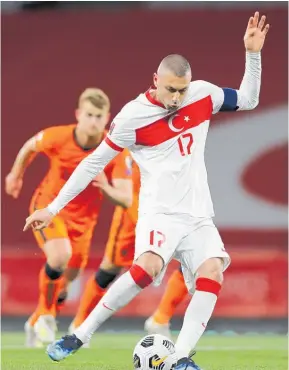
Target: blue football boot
x=186, y=363
x=64, y=347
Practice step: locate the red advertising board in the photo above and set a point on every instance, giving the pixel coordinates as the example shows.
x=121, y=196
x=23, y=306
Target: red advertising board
x=255, y=286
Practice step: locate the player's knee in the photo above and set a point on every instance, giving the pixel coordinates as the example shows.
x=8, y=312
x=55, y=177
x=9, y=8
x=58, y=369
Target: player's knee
x=151, y=263
x=147, y=267
x=212, y=269
x=53, y=273
x=58, y=261
x=103, y=278
x=58, y=258
x=58, y=252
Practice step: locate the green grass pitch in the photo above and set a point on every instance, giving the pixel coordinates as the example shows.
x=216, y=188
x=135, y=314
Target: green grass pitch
x=114, y=352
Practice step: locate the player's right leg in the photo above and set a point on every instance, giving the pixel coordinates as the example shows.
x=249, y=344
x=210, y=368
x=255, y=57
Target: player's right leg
x=156, y=241
x=203, y=259
x=176, y=291
x=56, y=246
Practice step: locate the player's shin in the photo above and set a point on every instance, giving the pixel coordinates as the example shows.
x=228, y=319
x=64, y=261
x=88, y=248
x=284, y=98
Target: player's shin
x=94, y=290
x=175, y=293
x=197, y=315
x=128, y=286
x=50, y=282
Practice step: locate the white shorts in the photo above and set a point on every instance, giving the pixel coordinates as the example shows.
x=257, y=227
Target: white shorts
x=189, y=240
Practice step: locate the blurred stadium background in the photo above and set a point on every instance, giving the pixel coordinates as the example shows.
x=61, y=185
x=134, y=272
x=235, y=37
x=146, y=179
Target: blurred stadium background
x=51, y=51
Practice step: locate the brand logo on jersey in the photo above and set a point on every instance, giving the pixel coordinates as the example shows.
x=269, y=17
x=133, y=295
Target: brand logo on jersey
x=112, y=126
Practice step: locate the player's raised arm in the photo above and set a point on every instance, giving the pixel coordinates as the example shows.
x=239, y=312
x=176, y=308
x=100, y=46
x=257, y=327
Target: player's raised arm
x=247, y=97
x=248, y=93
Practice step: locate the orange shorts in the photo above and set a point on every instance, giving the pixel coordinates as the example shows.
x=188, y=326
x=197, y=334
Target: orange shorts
x=80, y=236
x=119, y=248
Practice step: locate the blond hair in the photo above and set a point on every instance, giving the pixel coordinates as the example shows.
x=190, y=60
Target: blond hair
x=96, y=97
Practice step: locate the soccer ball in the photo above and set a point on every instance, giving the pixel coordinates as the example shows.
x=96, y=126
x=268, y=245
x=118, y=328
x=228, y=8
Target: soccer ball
x=154, y=352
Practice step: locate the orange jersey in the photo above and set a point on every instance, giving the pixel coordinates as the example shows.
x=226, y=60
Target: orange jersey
x=120, y=245
x=128, y=216
x=60, y=146
x=132, y=211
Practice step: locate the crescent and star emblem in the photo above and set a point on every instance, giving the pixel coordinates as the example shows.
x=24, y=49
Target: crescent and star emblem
x=171, y=125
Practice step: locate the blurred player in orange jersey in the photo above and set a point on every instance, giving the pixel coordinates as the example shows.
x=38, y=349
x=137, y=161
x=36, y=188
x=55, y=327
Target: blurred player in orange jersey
x=119, y=252
x=66, y=242
x=176, y=291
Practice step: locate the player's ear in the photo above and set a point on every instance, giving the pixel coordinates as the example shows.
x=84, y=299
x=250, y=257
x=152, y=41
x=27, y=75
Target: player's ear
x=108, y=117
x=155, y=80
x=77, y=113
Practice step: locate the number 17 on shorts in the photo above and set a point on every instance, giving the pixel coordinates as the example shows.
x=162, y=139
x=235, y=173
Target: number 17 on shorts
x=157, y=238
x=158, y=234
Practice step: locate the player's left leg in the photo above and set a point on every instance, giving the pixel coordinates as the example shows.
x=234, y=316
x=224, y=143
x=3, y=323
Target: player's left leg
x=119, y=253
x=80, y=245
x=176, y=291
x=55, y=243
x=69, y=275
x=203, y=260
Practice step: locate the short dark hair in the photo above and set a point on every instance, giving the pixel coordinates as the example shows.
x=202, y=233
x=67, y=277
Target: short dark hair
x=176, y=64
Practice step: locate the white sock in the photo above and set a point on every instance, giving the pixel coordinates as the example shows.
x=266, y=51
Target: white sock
x=196, y=318
x=117, y=296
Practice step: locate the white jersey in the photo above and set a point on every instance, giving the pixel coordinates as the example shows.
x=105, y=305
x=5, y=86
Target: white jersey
x=169, y=149
x=168, y=146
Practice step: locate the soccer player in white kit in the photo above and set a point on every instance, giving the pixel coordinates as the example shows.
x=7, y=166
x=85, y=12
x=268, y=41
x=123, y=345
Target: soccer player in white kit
x=165, y=129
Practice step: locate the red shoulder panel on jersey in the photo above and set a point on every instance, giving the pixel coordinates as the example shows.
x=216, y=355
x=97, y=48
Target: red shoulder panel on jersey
x=178, y=122
x=113, y=145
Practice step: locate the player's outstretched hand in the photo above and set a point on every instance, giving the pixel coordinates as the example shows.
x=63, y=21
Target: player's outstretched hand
x=13, y=185
x=38, y=220
x=256, y=32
